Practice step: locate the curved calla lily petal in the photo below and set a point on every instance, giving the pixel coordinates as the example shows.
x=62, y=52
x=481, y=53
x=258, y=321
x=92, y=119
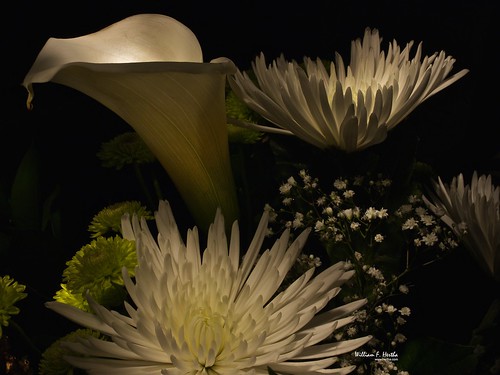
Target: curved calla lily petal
x=149, y=70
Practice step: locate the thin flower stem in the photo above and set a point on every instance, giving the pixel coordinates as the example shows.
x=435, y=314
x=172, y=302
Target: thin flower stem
x=142, y=183
x=407, y=258
x=239, y=164
x=157, y=188
x=25, y=337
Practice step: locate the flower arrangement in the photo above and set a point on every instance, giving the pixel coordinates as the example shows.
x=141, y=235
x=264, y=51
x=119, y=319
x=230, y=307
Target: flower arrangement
x=312, y=270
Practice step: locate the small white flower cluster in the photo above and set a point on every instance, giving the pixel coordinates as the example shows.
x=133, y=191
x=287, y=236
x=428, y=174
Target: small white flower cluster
x=352, y=222
x=423, y=227
x=397, y=316
x=386, y=367
x=288, y=186
x=336, y=215
x=382, y=319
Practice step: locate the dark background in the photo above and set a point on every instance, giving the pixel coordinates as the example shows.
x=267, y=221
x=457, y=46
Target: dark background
x=458, y=128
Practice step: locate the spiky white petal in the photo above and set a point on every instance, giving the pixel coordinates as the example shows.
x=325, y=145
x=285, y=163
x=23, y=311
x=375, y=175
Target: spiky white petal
x=346, y=108
x=209, y=314
x=473, y=212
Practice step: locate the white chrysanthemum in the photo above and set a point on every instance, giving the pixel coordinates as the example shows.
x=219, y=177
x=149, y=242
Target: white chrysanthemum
x=193, y=314
x=473, y=212
x=346, y=108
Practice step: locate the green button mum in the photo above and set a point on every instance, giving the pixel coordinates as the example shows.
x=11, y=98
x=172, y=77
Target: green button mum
x=10, y=293
x=97, y=269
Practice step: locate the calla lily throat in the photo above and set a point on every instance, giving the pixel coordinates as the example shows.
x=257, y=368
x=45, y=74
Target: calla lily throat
x=148, y=69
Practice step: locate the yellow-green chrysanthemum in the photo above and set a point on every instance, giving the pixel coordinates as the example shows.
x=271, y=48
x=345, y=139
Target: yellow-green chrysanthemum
x=239, y=134
x=65, y=295
x=53, y=362
x=97, y=268
x=236, y=109
x=124, y=149
x=10, y=293
x=213, y=313
x=108, y=220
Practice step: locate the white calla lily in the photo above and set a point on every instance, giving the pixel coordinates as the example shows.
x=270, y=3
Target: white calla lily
x=149, y=70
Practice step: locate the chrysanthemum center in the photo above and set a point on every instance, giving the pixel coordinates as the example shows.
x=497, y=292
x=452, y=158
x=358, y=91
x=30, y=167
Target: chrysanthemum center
x=207, y=325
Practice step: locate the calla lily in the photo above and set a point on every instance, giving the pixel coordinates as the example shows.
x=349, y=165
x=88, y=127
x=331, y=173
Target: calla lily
x=149, y=70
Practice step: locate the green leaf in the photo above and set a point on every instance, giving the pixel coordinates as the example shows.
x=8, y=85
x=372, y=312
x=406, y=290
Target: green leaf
x=49, y=216
x=24, y=196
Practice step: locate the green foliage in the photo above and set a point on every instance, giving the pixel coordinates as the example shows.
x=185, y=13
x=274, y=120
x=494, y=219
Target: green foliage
x=97, y=269
x=125, y=149
x=10, y=293
x=53, y=362
x=108, y=220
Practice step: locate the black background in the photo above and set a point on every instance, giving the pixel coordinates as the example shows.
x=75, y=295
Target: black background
x=458, y=127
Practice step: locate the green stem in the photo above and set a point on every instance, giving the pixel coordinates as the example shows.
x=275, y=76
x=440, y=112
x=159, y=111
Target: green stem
x=239, y=167
x=157, y=189
x=142, y=183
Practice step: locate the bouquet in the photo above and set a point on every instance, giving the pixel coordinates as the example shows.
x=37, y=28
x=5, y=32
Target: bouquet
x=307, y=218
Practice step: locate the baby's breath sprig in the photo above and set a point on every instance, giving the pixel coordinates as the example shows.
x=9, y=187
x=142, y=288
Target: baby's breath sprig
x=427, y=236
x=352, y=223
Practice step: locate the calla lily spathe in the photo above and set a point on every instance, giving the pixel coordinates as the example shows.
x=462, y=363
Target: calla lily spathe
x=347, y=108
x=473, y=212
x=149, y=70
x=211, y=312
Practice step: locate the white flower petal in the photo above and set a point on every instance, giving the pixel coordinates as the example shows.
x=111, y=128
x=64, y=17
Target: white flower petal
x=148, y=69
x=332, y=349
x=219, y=318
x=80, y=317
x=105, y=366
x=350, y=108
x=477, y=206
x=147, y=37
x=300, y=367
